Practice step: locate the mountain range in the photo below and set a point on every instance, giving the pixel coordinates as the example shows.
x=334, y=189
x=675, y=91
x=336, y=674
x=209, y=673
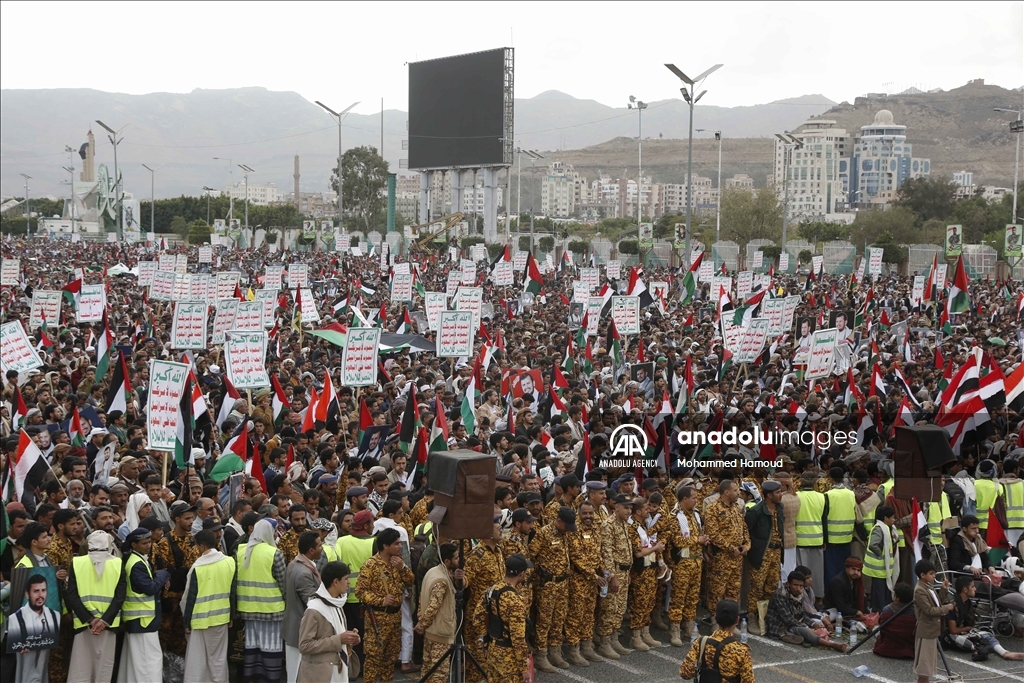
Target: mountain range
x=179, y=134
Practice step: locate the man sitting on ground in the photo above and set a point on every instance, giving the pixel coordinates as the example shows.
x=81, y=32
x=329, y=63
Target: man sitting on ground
x=962, y=619
x=896, y=637
x=787, y=619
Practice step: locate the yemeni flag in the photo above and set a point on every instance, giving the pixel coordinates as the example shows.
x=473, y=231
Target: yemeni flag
x=1014, y=387
x=280, y=401
x=797, y=411
x=744, y=314
x=20, y=410
x=690, y=280
x=917, y=522
x=930, y=284
x=78, y=436
x=365, y=419
x=467, y=409
x=585, y=463
x=903, y=384
x=638, y=288
x=411, y=424
x=1020, y=306
x=254, y=465
x=533, y=282
x=877, y=385
x=959, y=298
x=297, y=313
x=308, y=419
x=614, y=343
x=230, y=395
x=939, y=360
x=327, y=402
x=992, y=387
x=725, y=306
x=29, y=465
x=120, y=389
x=963, y=386
x=995, y=537
x=438, y=430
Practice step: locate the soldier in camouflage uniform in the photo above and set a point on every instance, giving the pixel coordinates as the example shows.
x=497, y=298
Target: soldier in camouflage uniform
x=68, y=524
x=684, y=543
x=597, y=494
x=586, y=577
x=501, y=614
x=484, y=568
x=175, y=552
x=550, y=551
x=419, y=511
x=518, y=541
x=643, y=583
x=570, y=486
x=383, y=580
x=730, y=541
x=617, y=557
x=765, y=522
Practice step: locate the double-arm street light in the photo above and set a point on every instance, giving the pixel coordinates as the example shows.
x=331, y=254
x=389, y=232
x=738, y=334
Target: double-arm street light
x=116, y=139
x=340, y=116
x=689, y=93
x=1015, y=127
x=789, y=143
x=634, y=103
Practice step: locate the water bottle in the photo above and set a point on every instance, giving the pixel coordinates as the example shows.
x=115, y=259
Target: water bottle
x=853, y=637
x=861, y=671
x=604, y=588
x=839, y=626
x=743, y=631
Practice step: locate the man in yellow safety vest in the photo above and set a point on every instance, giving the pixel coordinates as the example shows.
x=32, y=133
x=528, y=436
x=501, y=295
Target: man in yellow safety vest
x=142, y=656
x=95, y=593
x=810, y=530
x=207, y=606
x=839, y=523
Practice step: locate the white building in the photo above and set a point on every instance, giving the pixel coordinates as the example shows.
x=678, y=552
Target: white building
x=740, y=180
x=882, y=159
x=260, y=194
x=815, y=185
x=965, y=187
x=674, y=196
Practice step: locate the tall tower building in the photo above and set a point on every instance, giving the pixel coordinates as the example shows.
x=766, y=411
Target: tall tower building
x=296, y=177
x=88, y=154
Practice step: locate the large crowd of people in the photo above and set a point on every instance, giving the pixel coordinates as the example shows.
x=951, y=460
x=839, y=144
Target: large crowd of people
x=297, y=541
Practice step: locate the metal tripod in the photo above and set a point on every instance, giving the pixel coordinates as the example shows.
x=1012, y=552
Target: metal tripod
x=457, y=654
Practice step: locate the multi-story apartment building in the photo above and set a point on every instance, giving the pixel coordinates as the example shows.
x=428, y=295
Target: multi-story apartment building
x=814, y=169
x=261, y=194
x=741, y=180
x=882, y=159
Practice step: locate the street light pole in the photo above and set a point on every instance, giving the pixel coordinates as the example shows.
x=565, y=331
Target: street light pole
x=718, y=204
x=340, y=116
x=639, y=106
x=152, y=197
x=70, y=168
x=28, y=214
x=688, y=91
x=1015, y=127
x=789, y=143
x=246, y=170
x=208, y=190
x=115, y=141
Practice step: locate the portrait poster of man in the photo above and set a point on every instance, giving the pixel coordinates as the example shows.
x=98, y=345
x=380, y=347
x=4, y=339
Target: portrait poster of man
x=33, y=615
x=643, y=375
x=575, y=315
x=954, y=240
x=1012, y=246
x=527, y=383
x=843, y=322
x=372, y=444
x=680, y=236
x=804, y=331
x=420, y=319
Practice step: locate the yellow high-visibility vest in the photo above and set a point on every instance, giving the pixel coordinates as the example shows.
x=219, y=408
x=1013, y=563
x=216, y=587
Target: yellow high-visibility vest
x=354, y=552
x=331, y=553
x=842, y=515
x=137, y=605
x=258, y=592
x=809, y=530
x=96, y=593
x=213, y=594
x=936, y=513
x=876, y=566
x=987, y=490
x=1013, y=497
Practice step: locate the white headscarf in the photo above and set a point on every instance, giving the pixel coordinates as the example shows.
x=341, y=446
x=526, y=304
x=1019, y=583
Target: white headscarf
x=101, y=548
x=137, y=501
x=263, y=532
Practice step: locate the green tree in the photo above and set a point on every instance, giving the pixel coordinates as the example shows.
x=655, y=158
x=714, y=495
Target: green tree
x=366, y=178
x=804, y=256
x=927, y=197
x=547, y=244
x=579, y=246
x=980, y=217
x=179, y=226
x=771, y=252
x=899, y=222
x=893, y=252
x=42, y=207
x=198, y=232
x=822, y=231
x=468, y=242
x=749, y=215
x=270, y=237
x=665, y=227
x=629, y=247
x=524, y=243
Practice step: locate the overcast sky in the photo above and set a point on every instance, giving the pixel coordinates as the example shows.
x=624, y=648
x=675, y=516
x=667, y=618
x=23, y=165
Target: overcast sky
x=588, y=50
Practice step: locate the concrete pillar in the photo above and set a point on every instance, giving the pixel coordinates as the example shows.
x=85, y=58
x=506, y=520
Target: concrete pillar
x=456, y=190
x=424, y=197
x=490, y=205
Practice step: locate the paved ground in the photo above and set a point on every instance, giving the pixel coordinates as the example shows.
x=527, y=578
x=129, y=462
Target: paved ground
x=777, y=662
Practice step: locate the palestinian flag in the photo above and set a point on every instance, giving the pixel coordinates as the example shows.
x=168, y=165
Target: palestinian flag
x=411, y=424
x=365, y=419
x=405, y=327
x=280, y=401
x=688, y=323
x=947, y=376
x=71, y=292
x=186, y=426
x=569, y=364
x=724, y=363
x=1014, y=387
x=18, y=408
x=28, y=465
x=417, y=286
x=558, y=380
x=939, y=360
x=120, y=393
x=959, y=298
x=335, y=333
x=797, y=411
x=853, y=394
x=439, y=430
x=228, y=397
x=78, y=436
x=614, y=343
x=944, y=325
x=585, y=463
x=685, y=387
x=340, y=305
x=533, y=282
x=744, y=314
x=468, y=408
x=557, y=406
x=930, y=284
x=44, y=338
x=588, y=360
x=368, y=291
x=690, y=280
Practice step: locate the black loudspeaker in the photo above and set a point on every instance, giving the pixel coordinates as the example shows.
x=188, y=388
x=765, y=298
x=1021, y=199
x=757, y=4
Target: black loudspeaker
x=463, y=486
x=921, y=453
